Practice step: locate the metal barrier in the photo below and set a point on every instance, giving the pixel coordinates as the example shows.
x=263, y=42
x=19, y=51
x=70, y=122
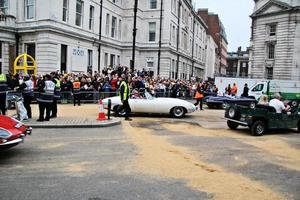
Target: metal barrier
x=94, y=96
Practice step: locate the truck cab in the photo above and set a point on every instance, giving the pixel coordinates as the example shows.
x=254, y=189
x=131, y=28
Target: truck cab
x=259, y=89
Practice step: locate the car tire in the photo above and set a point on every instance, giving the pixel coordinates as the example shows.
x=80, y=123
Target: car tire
x=232, y=125
x=119, y=113
x=224, y=106
x=232, y=113
x=178, y=112
x=258, y=128
x=252, y=105
x=295, y=103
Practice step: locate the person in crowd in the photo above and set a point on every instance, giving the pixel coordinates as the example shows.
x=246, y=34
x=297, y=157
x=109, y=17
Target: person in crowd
x=57, y=94
x=3, y=90
x=199, y=96
x=234, y=90
x=263, y=100
x=245, y=91
x=76, y=86
x=27, y=88
x=228, y=90
x=46, y=89
x=278, y=104
x=124, y=94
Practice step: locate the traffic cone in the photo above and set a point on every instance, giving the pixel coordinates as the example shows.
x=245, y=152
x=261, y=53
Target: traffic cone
x=101, y=115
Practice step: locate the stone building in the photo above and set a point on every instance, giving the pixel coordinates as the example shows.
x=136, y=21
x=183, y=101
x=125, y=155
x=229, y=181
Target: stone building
x=238, y=63
x=66, y=35
x=217, y=31
x=275, y=40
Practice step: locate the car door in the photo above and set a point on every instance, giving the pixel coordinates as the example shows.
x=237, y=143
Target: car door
x=143, y=105
x=258, y=90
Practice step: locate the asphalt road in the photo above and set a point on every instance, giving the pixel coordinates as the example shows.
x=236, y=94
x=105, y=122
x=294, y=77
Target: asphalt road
x=153, y=158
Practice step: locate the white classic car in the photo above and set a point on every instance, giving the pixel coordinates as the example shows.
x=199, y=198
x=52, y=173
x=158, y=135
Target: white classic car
x=149, y=104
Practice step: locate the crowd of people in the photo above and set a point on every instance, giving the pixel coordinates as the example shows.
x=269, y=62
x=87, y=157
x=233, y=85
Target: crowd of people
x=81, y=86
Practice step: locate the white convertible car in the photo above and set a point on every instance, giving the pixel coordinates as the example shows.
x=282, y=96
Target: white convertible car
x=149, y=104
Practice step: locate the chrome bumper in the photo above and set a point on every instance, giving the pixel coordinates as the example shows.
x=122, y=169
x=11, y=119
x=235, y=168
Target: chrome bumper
x=16, y=141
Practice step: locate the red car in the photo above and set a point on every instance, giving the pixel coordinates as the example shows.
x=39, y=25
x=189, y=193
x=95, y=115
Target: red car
x=12, y=132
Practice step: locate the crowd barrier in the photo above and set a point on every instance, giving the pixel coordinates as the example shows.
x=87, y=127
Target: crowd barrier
x=94, y=96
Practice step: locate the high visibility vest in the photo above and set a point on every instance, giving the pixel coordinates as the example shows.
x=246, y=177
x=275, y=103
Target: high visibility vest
x=3, y=84
x=76, y=87
x=29, y=88
x=57, y=89
x=47, y=95
x=126, y=90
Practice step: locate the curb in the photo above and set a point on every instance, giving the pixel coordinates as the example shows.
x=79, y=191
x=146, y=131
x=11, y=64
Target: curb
x=87, y=125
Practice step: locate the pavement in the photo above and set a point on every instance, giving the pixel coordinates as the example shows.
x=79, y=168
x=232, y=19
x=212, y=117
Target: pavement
x=70, y=116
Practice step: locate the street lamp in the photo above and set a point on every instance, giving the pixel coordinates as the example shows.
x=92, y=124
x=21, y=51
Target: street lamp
x=134, y=35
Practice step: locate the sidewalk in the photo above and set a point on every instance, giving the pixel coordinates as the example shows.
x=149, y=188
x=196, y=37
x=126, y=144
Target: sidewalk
x=70, y=116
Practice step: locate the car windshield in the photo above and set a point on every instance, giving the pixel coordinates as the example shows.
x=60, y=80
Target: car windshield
x=258, y=88
x=148, y=96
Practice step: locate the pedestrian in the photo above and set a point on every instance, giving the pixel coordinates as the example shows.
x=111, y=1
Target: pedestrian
x=228, y=90
x=3, y=90
x=27, y=88
x=76, y=91
x=124, y=94
x=245, y=91
x=57, y=93
x=199, y=95
x=46, y=89
x=234, y=90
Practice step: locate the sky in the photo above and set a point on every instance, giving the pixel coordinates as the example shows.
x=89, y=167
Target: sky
x=234, y=15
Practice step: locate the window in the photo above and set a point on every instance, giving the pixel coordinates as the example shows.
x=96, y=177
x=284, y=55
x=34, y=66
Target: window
x=0, y=56
x=152, y=31
x=173, y=69
x=106, y=60
x=91, y=19
x=271, y=51
x=79, y=12
x=174, y=5
x=272, y=29
x=113, y=27
x=30, y=50
x=65, y=10
x=29, y=9
x=107, y=24
x=174, y=35
x=269, y=73
x=150, y=62
x=153, y=4
x=120, y=30
x=4, y=6
x=258, y=88
x=112, y=60
x=118, y=60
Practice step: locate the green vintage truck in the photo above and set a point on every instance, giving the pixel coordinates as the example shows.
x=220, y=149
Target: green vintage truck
x=262, y=118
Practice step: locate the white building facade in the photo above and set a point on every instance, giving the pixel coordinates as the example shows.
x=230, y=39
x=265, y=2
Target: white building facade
x=275, y=42
x=65, y=35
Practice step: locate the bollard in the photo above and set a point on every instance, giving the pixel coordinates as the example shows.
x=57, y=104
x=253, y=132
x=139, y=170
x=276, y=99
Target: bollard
x=108, y=108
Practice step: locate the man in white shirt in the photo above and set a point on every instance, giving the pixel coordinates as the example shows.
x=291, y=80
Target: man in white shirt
x=277, y=104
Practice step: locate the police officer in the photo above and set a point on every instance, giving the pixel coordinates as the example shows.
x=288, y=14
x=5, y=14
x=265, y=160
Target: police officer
x=46, y=89
x=76, y=91
x=3, y=90
x=124, y=93
x=57, y=93
x=27, y=91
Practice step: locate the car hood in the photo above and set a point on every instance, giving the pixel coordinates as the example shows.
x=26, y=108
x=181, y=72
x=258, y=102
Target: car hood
x=12, y=125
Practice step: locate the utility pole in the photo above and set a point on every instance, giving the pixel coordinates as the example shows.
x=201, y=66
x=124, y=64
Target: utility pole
x=160, y=36
x=100, y=35
x=134, y=36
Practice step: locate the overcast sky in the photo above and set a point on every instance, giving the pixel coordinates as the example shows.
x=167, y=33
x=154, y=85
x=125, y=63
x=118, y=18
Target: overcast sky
x=234, y=14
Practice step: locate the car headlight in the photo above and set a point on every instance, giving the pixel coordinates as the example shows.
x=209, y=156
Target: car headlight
x=4, y=134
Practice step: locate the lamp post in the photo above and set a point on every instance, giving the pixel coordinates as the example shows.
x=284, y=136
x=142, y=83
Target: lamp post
x=134, y=36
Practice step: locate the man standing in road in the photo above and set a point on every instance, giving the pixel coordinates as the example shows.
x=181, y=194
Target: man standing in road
x=124, y=93
x=57, y=92
x=234, y=90
x=245, y=91
x=76, y=85
x=3, y=90
x=45, y=99
x=27, y=91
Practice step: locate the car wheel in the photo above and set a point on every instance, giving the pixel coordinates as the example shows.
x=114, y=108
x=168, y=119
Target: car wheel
x=119, y=111
x=232, y=125
x=232, y=112
x=178, y=112
x=258, y=128
x=294, y=103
